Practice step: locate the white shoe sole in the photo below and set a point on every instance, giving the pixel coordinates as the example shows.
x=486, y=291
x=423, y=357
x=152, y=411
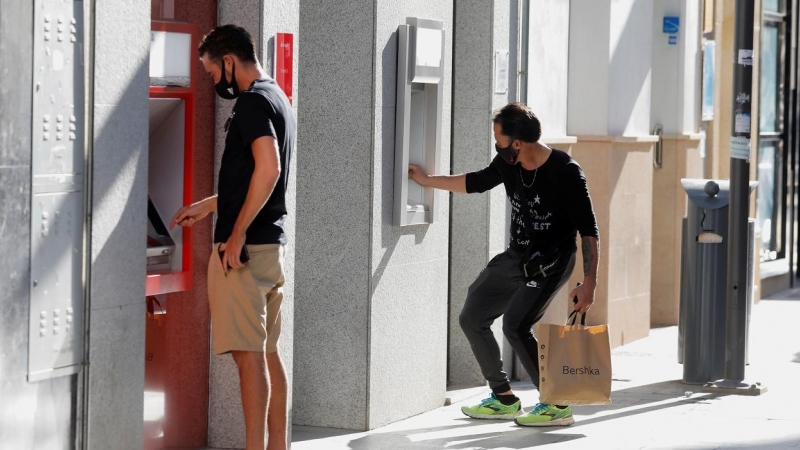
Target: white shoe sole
x=493, y=417
x=553, y=423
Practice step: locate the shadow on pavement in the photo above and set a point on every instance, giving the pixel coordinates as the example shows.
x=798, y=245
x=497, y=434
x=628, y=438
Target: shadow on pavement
x=514, y=438
x=661, y=395
x=472, y=433
x=312, y=433
x=792, y=295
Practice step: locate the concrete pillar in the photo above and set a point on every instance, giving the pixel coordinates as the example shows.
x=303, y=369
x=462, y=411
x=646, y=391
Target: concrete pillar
x=676, y=68
x=609, y=113
x=548, y=62
x=479, y=222
x=371, y=308
x=262, y=19
x=119, y=199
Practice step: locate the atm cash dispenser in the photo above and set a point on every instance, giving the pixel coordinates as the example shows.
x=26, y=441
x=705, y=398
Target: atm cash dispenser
x=172, y=110
x=418, y=122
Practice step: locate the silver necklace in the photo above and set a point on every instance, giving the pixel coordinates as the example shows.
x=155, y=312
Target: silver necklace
x=527, y=186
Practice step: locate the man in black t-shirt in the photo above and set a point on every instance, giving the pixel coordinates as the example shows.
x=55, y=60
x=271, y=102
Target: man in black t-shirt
x=550, y=203
x=245, y=271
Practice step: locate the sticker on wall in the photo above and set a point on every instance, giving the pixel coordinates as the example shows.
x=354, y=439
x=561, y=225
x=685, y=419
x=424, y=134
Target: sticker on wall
x=742, y=98
x=671, y=24
x=742, y=123
x=282, y=65
x=740, y=148
x=501, y=72
x=673, y=40
x=745, y=57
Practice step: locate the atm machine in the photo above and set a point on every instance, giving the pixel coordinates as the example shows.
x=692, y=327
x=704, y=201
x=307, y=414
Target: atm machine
x=172, y=104
x=418, y=123
x=169, y=253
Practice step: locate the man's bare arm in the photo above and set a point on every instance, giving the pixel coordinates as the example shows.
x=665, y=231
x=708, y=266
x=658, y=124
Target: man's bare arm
x=187, y=216
x=452, y=183
x=262, y=183
x=591, y=258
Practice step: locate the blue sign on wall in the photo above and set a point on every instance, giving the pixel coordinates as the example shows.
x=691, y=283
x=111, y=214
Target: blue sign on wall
x=671, y=24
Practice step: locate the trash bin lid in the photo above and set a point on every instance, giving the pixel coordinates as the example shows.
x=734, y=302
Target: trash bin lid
x=710, y=194
x=707, y=194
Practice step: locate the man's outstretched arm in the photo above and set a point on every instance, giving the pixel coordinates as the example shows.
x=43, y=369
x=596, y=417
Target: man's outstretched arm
x=452, y=183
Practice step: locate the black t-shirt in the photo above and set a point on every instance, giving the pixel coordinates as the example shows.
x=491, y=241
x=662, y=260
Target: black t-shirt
x=261, y=110
x=551, y=210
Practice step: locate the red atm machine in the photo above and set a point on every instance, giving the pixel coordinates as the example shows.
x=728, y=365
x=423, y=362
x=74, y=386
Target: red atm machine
x=173, y=79
x=172, y=111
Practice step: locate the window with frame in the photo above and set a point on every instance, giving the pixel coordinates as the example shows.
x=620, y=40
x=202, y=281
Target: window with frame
x=771, y=155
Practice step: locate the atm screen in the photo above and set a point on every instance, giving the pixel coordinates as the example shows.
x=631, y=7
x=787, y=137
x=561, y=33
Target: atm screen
x=160, y=245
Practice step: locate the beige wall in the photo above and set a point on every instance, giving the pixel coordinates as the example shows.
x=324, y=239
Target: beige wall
x=681, y=159
x=619, y=170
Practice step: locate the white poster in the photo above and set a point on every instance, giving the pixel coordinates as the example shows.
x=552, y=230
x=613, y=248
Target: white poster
x=746, y=57
x=742, y=123
x=740, y=148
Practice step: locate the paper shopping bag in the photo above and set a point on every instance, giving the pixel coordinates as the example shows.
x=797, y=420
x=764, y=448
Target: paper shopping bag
x=574, y=363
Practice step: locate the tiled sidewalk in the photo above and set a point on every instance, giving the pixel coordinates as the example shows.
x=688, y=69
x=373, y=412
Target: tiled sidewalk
x=651, y=408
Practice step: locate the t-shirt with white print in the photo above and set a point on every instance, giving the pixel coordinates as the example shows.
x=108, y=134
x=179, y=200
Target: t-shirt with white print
x=548, y=205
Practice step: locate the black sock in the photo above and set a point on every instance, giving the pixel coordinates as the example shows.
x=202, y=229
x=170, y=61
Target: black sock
x=507, y=400
x=562, y=406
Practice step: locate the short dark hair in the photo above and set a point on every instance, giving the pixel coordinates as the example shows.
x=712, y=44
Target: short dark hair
x=517, y=121
x=228, y=39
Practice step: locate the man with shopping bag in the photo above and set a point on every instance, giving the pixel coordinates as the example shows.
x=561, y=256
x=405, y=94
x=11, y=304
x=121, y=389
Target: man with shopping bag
x=550, y=202
x=575, y=363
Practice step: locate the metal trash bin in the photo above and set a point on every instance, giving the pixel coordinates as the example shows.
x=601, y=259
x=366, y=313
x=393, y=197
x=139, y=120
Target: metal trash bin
x=704, y=273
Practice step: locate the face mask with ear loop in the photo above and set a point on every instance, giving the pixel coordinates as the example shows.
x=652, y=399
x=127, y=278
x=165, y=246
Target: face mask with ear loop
x=507, y=153
x=229, y=90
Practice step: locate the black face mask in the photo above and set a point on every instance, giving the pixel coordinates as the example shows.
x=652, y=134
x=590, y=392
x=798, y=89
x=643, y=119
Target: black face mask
x=507, y=153
x=225, y=89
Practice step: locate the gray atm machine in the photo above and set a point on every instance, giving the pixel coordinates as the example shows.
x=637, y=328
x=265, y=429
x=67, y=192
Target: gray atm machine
x=418, y=123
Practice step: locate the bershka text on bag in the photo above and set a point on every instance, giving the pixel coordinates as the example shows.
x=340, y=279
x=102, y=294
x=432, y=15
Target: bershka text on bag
x=585, y=370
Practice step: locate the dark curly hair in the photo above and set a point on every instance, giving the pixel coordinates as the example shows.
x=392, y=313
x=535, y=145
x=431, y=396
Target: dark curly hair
x=517, y=121
x=228, y=39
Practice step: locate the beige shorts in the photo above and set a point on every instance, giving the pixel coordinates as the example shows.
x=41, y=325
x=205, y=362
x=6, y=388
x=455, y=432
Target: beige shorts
x=246, y=304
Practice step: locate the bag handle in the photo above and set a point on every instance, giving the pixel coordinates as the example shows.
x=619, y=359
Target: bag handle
x=574, y=314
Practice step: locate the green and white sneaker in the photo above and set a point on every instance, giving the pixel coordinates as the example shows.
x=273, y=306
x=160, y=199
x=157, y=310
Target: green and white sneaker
x=544, y=415
x=492, y=408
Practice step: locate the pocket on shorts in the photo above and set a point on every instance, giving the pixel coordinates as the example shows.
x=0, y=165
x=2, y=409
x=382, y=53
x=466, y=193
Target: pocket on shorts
x=216, y=258
x=266, y=264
